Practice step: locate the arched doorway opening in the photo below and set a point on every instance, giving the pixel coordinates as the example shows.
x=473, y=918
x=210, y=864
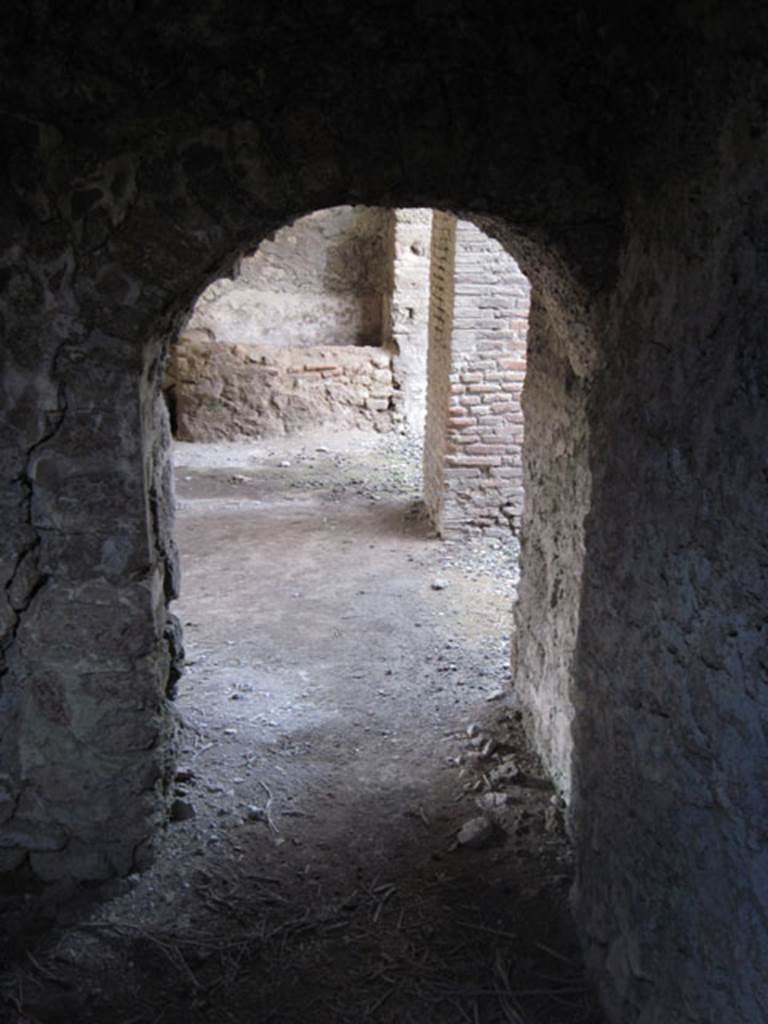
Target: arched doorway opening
x=240, y=860
x=348, y=734
x=145, y=765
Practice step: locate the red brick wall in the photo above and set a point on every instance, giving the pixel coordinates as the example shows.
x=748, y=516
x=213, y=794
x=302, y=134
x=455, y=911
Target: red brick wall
x=475, y=379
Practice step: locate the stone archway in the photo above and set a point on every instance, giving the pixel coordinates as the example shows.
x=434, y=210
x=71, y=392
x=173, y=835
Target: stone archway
x=95, y=717
x=640, y=223
x=92, y=652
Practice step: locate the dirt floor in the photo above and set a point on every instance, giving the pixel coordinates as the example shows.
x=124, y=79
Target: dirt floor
x=360, y=833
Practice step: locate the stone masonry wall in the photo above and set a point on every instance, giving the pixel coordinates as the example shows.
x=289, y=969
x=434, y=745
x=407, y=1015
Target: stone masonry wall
x=219, y=391
x=88, y=647
x=319, y=281
x=407, y=313
x=482, y=368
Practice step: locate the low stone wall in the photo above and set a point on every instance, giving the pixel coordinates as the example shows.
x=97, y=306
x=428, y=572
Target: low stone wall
x=219, y=391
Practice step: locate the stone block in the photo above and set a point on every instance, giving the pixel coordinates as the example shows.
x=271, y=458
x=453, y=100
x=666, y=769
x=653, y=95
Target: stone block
x=473, y=460
x=485, y=449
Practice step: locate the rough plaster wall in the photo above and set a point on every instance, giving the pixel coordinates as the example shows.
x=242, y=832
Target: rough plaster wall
x=407, y=313
x=320, y=281
x=672, y=663
x=438, y=361
x=126, y=189
x=557, y=483
x=226, y=391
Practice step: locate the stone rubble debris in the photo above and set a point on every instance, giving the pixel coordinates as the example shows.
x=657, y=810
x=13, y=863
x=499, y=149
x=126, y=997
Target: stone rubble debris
x=490, y=802
x=181, y=810
x=488, y=747
x=504, y=773
x=476, y=832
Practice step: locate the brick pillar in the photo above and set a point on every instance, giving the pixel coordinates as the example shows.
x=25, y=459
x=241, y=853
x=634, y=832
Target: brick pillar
x=406, y=320
x=442, y=256
x=476, y=369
